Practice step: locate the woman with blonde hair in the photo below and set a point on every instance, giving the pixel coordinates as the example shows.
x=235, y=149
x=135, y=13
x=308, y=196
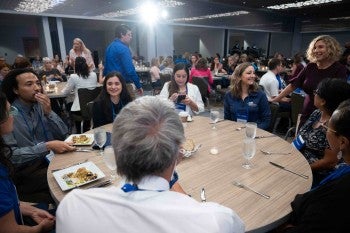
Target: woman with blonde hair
x=323, y=53
x=244, y=102
x=79, y=50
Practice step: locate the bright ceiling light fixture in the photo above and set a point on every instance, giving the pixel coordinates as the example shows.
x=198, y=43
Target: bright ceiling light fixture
x=149, y=12
x=301, y=4
x=228, y=14
x=37, y=6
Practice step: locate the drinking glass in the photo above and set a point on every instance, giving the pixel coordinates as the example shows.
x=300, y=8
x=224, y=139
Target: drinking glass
x=214, y=116
x=100, y=137
x=109, y=159
x=250, y=130
x=249, y=148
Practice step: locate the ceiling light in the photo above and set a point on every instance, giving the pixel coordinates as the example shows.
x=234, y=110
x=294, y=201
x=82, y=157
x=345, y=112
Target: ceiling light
x=37, y=6
x=228, y=14
x=301, y=4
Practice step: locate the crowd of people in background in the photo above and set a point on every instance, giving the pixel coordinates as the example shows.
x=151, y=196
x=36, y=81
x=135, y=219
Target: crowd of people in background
x=38, y=131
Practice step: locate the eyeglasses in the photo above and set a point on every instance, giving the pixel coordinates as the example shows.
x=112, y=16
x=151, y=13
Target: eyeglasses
x=327, y=128
x=316, y=92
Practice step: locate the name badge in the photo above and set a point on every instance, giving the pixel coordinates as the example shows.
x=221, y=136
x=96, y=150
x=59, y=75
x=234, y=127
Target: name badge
x=298, y=142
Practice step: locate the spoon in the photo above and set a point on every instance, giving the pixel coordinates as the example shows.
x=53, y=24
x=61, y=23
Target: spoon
x=275, y=153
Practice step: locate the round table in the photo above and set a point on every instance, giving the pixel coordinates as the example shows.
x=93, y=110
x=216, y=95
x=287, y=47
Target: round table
x=216, y=173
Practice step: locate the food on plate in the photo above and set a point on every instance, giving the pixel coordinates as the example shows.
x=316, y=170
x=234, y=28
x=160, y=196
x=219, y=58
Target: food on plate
x=81, y=139
x=80, y=176
x=189, y=145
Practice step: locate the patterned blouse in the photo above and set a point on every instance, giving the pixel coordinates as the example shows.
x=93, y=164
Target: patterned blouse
x=315, y=139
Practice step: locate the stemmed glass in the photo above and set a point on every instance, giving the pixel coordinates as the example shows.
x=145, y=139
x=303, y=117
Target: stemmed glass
x=100, y=137
x=214, y=116
x=250, y=130
x=109, y=159
x=249, y=148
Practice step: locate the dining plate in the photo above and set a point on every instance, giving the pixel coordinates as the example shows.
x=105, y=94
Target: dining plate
x=81, y=139
x=77, y=175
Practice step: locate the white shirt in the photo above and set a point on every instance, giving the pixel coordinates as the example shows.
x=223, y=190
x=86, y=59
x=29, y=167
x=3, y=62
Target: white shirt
x=75, y=82
x=192, y=92
x=108, y=210
x=270, y=84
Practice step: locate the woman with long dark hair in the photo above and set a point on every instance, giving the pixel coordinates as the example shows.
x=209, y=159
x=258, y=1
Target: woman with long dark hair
x=82, y=78
x=11, y=210
x=113, y=97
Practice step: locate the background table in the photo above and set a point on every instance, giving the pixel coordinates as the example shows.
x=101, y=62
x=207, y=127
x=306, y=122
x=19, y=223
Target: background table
x=217, y=172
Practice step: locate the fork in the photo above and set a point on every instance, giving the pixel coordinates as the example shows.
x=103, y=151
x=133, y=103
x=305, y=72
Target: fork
x=240, y=185
x=274, y=153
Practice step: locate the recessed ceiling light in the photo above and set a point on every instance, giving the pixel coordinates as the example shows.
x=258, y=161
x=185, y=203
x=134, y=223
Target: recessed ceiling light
x=301, y=4
x=228, y=14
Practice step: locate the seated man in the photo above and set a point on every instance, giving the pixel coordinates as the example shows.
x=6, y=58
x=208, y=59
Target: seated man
x=147, y=138
x=49, y=72
x=37, y=131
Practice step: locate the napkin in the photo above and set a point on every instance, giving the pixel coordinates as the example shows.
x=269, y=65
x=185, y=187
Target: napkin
x=108, y=142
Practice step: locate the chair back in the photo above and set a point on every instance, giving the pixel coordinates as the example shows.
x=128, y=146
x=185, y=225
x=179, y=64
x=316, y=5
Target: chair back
x=87, y=95
x=202, y=84
x=297, y=102
x=164, y=78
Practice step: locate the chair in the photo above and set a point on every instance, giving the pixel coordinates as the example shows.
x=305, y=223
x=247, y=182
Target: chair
x=202, y=83
x=86, y=95
x=276, y=116
x=297, y=101
x=163, y=79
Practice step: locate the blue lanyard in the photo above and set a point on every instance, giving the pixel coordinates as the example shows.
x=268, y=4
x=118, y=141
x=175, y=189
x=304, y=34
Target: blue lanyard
x=32, y=132
x=120, y=105
x=337, y=173
x=133, y=187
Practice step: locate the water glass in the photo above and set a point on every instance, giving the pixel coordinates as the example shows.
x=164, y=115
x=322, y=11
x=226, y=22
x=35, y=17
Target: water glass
x=249, y=148
x=100, y=137
x=109, y=160
x=214, y=116
x=250, y=130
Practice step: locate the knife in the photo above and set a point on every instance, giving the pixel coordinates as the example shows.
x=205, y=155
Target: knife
x=266, y=136
x=71, y=165
x=102, y=184
x=203, y=195
x=281, y=167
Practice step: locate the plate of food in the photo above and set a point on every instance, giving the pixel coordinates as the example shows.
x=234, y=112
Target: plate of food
x=189, y=148
x=81, y=139
x=77, y=175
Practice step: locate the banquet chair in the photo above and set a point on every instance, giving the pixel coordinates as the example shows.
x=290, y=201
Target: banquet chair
x=202, y=83
x=297, y=101
x=163, y=79
x=86, y=95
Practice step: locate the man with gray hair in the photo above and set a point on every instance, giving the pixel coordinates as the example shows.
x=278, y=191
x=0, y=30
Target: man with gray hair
x=147, y=137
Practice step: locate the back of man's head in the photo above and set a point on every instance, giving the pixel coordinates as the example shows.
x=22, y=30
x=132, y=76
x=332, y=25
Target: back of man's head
x=273, y=63
x=121, y=30
x=147, y=135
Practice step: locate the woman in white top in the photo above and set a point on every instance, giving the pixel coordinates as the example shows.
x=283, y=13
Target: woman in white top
x=79, y=50
x=81, y=79
x=185, y=95
x=155, y=73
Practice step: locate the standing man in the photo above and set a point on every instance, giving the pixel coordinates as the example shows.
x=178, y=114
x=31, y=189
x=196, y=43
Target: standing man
x=118, y=58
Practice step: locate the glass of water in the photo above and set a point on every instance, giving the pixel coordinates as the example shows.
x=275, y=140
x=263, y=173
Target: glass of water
x=250, y=130
x=109, y=159
x=214, y=116
x=249, y=149
x=100, y=137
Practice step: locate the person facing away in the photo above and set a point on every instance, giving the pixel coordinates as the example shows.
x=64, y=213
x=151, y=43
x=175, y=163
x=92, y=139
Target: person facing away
x=113, y=97
x=147, y=137
x=118, y=58
x=324, y=208
x=323, y=53
x=312, y=135
x=38, y=131
x=244, y=102
x=12, y=210
x=83, y=78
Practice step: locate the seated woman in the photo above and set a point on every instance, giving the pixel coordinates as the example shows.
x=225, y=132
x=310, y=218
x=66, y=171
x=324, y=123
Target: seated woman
x=324, y=208
x=244, y=102
x=311, y=139
x=82, y=78
x=201, y=70
x=185, y=95
x=155, y=73
x=11, y=210
x=216, y=66
x=113, y=97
